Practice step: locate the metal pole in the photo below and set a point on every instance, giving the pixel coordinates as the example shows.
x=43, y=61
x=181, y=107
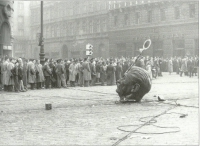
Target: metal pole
x=42, y=54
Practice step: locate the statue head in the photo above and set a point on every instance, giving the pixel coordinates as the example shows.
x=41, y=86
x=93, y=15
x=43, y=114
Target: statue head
x=134, y=85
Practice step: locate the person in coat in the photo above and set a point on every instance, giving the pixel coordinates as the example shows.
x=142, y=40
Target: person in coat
x=47, y=73
x=16, y=76
x=1, y=74
x=20, y=75
x=103, y=70
x=190, y=65
x=67, y=64
x=125, y=67
x=72, y=73
x=119, y=71
x=5, y=77
x=86, y=72
x=170, y=66
x=110, y=74
x=10, y=75
x=60, y=75
x=148, y=68
x=31, y=73
x=183, y=68
x=98, y=71
x=54, y=76
x=80, y=72
x=93, y=73
x=25, y=73
x=39, y=74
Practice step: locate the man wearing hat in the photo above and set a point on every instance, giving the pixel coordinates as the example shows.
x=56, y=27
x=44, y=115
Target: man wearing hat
x=60, y=74
x=72, y=73
x=111, y=74
x=93, y=72
x=80, y=72
x=54, y=76
x=31, y=73
x=47, y=73
x=86, y=72
x=5, y=75
x=10, y=75
x=67, y=64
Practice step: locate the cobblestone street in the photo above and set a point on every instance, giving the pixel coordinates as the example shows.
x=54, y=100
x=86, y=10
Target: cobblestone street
x=90, y=116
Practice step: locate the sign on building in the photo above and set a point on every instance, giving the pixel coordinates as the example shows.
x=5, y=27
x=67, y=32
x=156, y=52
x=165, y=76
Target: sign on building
x=89, y=49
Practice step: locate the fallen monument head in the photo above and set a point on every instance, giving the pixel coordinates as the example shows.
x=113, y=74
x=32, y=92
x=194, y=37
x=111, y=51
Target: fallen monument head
x=134, y=84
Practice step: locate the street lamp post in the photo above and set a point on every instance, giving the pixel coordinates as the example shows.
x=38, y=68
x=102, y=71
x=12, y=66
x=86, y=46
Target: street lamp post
x=42, y=54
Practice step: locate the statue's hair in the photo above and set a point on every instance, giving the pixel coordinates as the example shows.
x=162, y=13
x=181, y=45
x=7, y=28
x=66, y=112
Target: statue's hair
x=140, y=76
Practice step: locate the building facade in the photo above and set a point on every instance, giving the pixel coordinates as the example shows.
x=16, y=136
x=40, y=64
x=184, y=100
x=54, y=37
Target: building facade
x=21, y=30
x=69, y=26
x=6, y=27
x=115, y=28
x=172, y=27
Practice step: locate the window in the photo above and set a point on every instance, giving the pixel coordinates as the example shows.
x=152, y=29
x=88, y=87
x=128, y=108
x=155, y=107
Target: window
x=126, y=19
x=162, y=15
x=137, y=17
x=72, y=28
x=52, y=31
x=48, y=32
x=104, y=28
x=21, y=6
x=149, y=16
x=98, y=26
x=58, y=30
x=91, y=27
x=115, y=20
x=80, y=29
x=177, y=12
x=98, y=6
x=70, y=11
x=192, y=10
x=21, y=32
x=91, y=7
x=21, y=19
x=114, y=4
x=66, y=28
x=77, y=28
x=109, y=5
x=84, y=27
x=85, y=8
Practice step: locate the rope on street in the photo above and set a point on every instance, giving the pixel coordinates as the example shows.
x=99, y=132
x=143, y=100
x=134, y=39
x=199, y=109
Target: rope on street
x=146, y=123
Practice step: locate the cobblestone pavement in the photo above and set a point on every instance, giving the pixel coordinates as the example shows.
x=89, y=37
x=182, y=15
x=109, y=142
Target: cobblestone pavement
x=90, y=116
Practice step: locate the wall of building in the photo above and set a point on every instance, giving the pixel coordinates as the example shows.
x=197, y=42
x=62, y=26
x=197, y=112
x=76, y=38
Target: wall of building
x=21, y=30
x=170, y=37
x=116, y=28
x=6, y=28
x=68, y=27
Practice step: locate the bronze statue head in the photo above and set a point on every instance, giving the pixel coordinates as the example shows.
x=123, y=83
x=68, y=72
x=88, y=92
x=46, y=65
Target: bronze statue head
x=134, y=84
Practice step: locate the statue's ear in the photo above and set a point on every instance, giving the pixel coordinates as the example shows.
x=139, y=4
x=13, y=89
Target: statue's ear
x=135, y=87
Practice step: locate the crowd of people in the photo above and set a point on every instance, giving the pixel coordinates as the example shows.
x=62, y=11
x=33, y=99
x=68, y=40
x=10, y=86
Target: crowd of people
x=20, y=74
